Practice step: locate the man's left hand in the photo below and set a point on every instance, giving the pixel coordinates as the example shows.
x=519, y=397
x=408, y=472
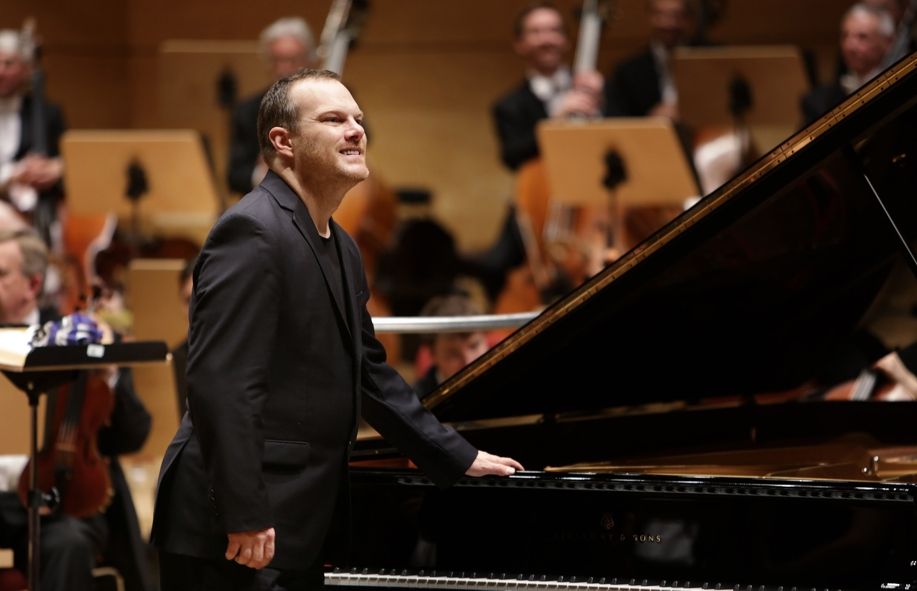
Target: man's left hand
x=485, y=464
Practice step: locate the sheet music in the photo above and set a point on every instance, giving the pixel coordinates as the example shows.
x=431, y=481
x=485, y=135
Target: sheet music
x=15, y=344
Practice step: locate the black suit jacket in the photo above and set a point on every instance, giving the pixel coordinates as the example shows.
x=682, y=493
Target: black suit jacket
x=820, y=100
x=243, y=144
x=277, y=373
x=54, y=128
x=515, y=116
x=634, y=85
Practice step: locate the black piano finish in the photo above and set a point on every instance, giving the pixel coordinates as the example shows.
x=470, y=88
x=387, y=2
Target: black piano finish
x=655, y=530
x=759, y=288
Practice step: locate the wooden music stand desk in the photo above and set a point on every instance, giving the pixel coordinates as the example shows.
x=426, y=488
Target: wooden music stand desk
x=189, y=74
x=658, y=172
x=774, y=75
x=181, y=198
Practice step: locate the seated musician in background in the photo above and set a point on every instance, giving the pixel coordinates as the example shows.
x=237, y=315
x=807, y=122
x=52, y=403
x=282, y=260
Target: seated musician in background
x=892, y=378
x=28, y=180
x=866, y=36
x=449, y=352
x=549, y=90
x=903, y=13
x=286, y=45
x=71, y=547
x=642, y=84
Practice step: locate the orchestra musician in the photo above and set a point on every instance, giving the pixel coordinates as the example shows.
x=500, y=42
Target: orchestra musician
x=29, y=180
x=549, y=90
x=450, y=351
x=866, y=36
x=72, y=546
x=287, y=45
x=282, y=356
x=642, y=84
x=903, y=13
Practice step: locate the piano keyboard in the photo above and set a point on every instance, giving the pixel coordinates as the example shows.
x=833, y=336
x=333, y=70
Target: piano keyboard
x=402, y=579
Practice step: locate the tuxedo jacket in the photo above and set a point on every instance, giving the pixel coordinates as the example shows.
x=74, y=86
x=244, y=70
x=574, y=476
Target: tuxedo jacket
x=820, y=100
x=54, y=128
x=634, y=85
x=278, y=372
x=243, y=144
x=516, y=115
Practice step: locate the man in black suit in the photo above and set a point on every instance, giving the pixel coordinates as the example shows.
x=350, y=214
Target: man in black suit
x=867, y=33
x=30, y=180
x=642, y=84
x=282, y=360
x=286, y=45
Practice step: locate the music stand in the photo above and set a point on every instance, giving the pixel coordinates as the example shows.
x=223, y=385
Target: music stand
x=655, y=169
x=35, y=371
x=168, y=168
x=757, y=87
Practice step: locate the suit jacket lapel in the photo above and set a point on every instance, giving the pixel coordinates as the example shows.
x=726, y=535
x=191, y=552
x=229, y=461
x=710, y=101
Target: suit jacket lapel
x=287, y=199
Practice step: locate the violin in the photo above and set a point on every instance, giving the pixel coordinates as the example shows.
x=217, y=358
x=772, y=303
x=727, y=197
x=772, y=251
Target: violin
x=69, y=464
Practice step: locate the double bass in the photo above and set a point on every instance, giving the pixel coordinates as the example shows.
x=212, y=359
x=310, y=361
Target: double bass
x=369, y=211
x=563, y=245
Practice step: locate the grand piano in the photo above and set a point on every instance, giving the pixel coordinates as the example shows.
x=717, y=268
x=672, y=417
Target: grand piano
x=668, y=410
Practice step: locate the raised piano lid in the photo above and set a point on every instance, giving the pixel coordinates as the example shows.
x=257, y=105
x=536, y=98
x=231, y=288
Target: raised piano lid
x=755, y=289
